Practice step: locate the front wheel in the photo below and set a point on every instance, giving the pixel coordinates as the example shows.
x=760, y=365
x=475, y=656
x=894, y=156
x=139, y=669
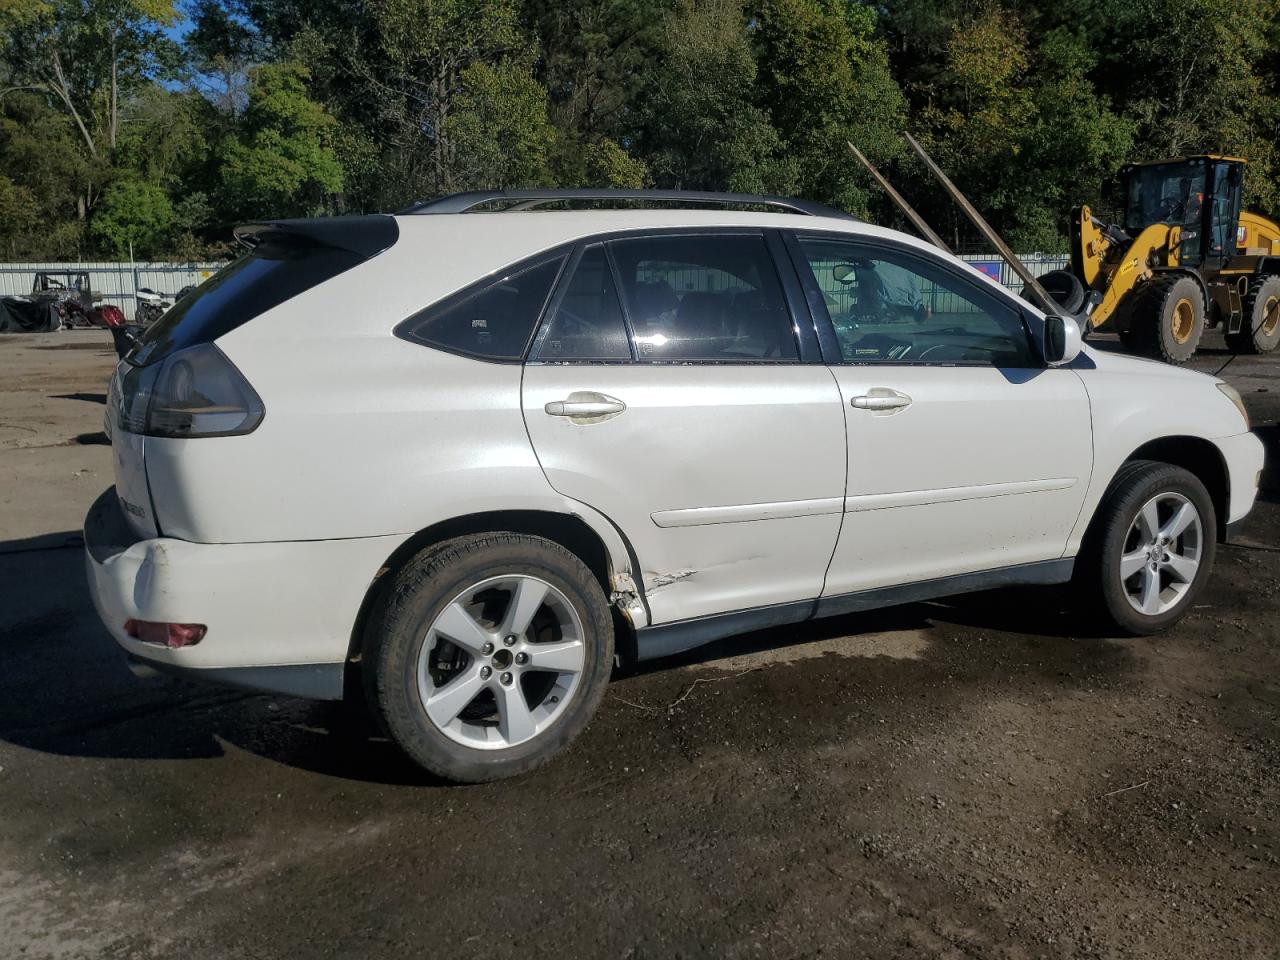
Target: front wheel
x=1152, y=548
x=489, y=654
x=1170, y=318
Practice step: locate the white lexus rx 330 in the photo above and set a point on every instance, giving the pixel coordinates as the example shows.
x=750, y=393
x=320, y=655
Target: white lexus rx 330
x=464, y=461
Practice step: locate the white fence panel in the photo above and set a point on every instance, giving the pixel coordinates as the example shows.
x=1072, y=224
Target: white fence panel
x=116, y=283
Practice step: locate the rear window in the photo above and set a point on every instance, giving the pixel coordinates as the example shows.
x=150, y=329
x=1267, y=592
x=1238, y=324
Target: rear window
x=252, y=285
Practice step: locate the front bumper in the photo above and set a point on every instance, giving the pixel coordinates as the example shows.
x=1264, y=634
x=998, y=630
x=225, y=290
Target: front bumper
x=1244, y=456
x=279, y=615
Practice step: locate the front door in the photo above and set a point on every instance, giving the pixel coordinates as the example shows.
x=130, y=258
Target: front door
x=691, y=422
x=965, y=453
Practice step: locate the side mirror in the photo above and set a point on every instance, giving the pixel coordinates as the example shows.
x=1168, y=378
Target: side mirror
x=1062, y=340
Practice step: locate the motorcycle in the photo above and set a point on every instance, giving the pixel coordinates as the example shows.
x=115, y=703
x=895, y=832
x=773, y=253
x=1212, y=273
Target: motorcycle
x=152, y=305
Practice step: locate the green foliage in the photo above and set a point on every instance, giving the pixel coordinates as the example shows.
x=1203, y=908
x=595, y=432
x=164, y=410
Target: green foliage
x=702, y=128
x=825, y=79
x=111, y=130
x=282, y=161
x=499, y=129
x=133, y=215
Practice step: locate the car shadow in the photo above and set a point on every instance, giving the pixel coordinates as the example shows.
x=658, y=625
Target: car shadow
x=86, y=397
x=65, y=688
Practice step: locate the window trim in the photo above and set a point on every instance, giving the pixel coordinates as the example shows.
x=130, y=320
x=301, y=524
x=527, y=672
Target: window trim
x=562, y=252
x=805, y=326
x=827, y=332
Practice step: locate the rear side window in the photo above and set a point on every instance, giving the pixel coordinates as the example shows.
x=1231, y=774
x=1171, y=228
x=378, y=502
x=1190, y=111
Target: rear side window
x=587, y=322
x=252, y=285
x=493, y=320
x=705, y=297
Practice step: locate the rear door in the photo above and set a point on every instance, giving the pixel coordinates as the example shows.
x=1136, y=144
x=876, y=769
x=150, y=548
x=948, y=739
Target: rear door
x=966, y=453
x=667, y=389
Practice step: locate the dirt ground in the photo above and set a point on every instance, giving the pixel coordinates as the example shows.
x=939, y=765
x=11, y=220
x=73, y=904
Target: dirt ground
x=973, y=778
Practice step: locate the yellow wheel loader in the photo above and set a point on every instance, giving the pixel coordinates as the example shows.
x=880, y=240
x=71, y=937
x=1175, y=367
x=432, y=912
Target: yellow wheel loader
x=1185, y=258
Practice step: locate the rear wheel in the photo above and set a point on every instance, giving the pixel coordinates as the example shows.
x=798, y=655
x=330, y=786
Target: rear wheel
x=489, y=654
x=1260, y=332
x=1152, y=547
x=1169, y=321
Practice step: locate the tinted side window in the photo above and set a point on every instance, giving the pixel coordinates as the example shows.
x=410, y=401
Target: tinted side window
x=587, y=324
x=705, y=298
x=493, y=321
x=893, y=306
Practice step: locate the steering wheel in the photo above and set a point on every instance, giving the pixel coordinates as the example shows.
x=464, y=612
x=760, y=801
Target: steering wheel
x=961, y=353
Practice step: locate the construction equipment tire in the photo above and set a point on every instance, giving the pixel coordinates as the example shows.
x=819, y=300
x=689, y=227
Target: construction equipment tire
x=1260, y=332
x=1169, y=322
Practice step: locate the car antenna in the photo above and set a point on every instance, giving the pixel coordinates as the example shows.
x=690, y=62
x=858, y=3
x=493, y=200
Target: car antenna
x=1025, y=275
x=926, y=231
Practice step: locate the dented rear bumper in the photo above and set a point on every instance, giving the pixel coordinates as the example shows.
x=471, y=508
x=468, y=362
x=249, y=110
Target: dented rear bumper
x=279, y=615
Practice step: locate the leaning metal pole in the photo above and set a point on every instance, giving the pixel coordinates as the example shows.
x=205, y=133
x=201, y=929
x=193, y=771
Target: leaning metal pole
x=986, y=230
x=925, y=230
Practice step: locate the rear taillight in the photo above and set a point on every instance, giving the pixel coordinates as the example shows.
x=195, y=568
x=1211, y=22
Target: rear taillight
x=171, y=635
x=195, y=392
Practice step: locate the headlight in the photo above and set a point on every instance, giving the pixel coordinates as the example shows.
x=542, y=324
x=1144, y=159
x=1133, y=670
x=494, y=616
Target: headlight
x=1232, y=394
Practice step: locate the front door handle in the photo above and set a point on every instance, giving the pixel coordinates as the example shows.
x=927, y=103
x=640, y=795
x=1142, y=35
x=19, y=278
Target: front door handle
x=882, y=399
x=586, y=406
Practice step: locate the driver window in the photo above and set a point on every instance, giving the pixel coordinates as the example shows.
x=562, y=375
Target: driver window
x=894, y=306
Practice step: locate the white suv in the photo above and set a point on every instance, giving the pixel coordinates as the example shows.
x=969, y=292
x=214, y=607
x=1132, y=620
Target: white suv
x=463, y=461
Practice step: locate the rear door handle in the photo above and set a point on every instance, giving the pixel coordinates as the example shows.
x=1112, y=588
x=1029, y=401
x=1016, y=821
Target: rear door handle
x=882, y=399
x=586, y=405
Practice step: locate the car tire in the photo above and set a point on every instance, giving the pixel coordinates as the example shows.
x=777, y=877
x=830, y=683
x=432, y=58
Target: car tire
x=452, y=616
x=1143, y=579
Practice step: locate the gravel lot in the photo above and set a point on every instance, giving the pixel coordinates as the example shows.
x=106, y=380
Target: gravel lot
x=974, y=778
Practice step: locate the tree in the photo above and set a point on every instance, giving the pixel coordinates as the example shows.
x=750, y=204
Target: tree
x=88, y=55
x=282, y=161
x=19, y=218
x=135, y=218
x=221, y=47
x=499, y=131
x=428, y=45
x=702, y=128
x=824, y=78
x=40, y=153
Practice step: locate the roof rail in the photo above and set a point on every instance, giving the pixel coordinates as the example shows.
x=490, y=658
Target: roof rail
x=528, y=199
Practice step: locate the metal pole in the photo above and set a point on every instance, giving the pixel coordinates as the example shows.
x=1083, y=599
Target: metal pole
x=985, y=228
x=925, y=230
x=133, y=269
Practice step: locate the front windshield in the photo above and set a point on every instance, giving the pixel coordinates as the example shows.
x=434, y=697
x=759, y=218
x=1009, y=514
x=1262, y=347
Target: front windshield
x=1170, y=193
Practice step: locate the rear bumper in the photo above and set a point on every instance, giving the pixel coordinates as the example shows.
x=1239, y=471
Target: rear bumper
x=279, y=615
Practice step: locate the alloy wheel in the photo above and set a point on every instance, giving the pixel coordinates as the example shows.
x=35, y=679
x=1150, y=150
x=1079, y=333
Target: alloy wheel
x=501, y=662
x=1162, y=553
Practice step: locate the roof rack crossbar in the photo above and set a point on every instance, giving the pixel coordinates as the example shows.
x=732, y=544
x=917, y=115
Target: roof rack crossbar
x=528, y=199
